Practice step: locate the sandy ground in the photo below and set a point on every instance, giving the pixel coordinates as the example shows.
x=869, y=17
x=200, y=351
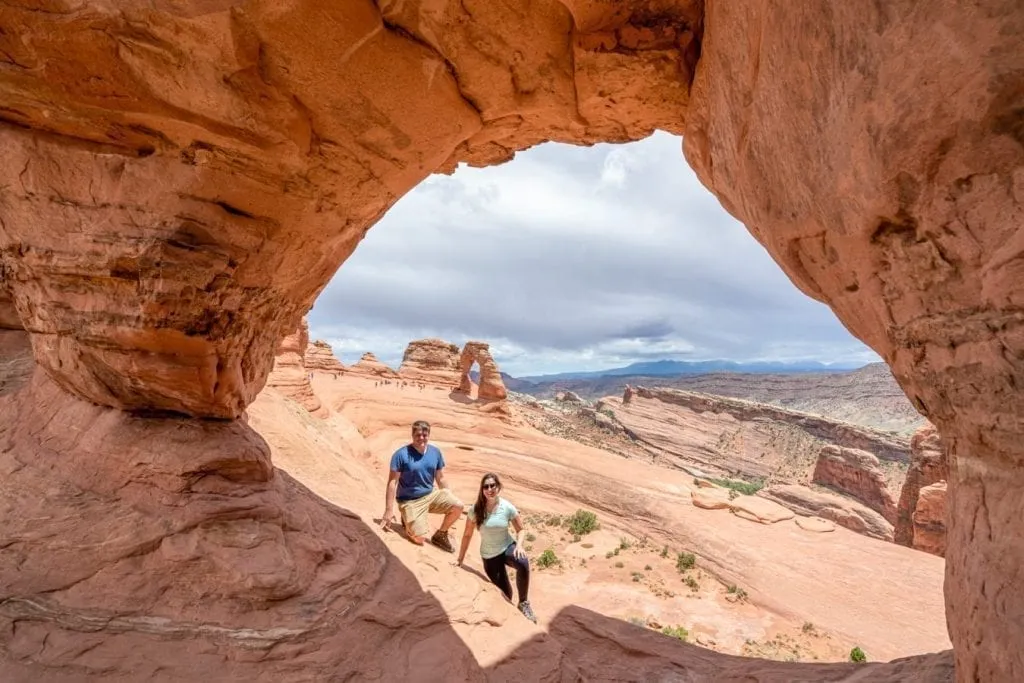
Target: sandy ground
x=774, y=591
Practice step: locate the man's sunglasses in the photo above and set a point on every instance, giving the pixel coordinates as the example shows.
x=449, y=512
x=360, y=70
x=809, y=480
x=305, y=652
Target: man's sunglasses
x=488, y=487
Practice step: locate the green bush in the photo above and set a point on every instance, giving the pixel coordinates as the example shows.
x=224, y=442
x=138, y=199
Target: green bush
x=685, y=561
x=531, y=538
x=692, y=583
x=548, y=559
x=676, y=632
x=747, y=488
x=857, y=655
x=582, y=522
x=624, y=544
x=664, y=551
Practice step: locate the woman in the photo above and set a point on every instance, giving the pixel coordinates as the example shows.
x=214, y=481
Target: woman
x=492, y=515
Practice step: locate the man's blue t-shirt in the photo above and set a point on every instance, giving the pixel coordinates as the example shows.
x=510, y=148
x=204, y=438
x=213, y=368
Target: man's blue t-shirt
x=417, y=470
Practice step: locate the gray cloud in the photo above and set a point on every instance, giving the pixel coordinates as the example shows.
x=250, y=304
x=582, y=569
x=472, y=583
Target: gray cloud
x=574, y=258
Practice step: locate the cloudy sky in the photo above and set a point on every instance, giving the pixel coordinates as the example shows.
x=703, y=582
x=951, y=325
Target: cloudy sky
x=573, y=258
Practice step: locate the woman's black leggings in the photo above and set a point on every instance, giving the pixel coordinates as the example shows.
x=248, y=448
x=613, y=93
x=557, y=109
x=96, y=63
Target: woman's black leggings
x=498, y=574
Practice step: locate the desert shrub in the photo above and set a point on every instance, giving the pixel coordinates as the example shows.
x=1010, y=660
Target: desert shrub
x=679, y=632
x=548, y=559
x=664, y=551
x=692, y=583
x=747, y=488
x=616, y=551
x=609, y=555
x=531, y=538
x=637, y=577
x=576, y=538
x=808, y=627
x=737, y=591
x=647, y=567
x=624, y=544
x=582, y=522
x=618, y=565
x=554, y=520
x=638, y=621
x=857, y=655
x=685, y=561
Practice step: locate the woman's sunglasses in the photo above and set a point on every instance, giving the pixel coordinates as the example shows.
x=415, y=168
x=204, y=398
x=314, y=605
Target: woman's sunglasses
x=488, y=487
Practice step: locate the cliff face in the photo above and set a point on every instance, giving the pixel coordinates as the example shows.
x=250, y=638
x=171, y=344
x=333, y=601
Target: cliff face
x=431, y=360
x=884, y=446
x=320, y=356
x=290, y=375
x=929, y=469
x=855, y=473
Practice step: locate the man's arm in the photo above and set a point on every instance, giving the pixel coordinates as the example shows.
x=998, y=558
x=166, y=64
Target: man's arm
x=442, y=483
x=389, y=500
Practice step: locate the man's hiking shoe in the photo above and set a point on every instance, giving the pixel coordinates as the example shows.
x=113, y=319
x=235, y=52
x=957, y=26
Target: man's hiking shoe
x=441, y=540
x=524, y=607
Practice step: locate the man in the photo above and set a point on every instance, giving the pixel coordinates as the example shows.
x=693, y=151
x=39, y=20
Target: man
x=414, y=469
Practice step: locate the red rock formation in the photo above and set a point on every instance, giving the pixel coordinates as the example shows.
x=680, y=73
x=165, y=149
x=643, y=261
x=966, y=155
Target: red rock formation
x=930, y=520
x=8, y=315
x=928, y=466
x=855, y=473
x=841, y=510
x=290, y=376
x=431, y=360
x=627, y=395
x=320, y=357
x=181, y=179
x=492, y=388
x=368, y=364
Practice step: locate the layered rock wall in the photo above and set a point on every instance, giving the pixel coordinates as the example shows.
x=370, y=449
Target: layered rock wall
x=369, y=364
x=882, y=444
x=928, y=465
x=855, y=473
x=431, y=360
x=290, y=376
x=930, y=520
x=320, y=357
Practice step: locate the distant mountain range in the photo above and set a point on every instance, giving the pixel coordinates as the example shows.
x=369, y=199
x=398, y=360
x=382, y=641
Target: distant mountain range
x=675, y=368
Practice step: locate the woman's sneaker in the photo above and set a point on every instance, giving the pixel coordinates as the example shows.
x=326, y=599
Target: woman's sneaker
x=527, y=611
x=441, y=540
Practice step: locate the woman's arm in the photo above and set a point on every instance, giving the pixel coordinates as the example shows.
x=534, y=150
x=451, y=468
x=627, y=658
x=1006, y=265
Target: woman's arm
x=517, y=524
x=466, y=535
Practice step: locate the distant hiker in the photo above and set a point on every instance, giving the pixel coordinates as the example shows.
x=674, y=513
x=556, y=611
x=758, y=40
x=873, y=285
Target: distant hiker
x=492, y=514
x=414, y=469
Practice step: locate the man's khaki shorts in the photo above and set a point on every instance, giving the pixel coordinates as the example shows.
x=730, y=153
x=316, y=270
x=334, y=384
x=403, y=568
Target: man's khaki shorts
x=414, y=512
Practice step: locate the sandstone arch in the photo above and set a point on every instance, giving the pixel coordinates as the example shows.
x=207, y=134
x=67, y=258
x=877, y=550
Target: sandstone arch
x=180, y=182
x=492, y=387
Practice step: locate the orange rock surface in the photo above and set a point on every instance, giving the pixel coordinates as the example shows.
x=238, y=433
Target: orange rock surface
x=290, y=375
x=928, y=465
x=368, y=364
x=320, y=357
x=856, y=473
x=181, y=179
x=492, y=387
x=431, y=360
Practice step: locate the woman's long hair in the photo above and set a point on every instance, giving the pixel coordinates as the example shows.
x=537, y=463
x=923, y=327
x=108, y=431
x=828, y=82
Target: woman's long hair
x=480, y=507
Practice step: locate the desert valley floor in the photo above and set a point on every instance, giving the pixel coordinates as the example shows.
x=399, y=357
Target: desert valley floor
x=765, y=590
